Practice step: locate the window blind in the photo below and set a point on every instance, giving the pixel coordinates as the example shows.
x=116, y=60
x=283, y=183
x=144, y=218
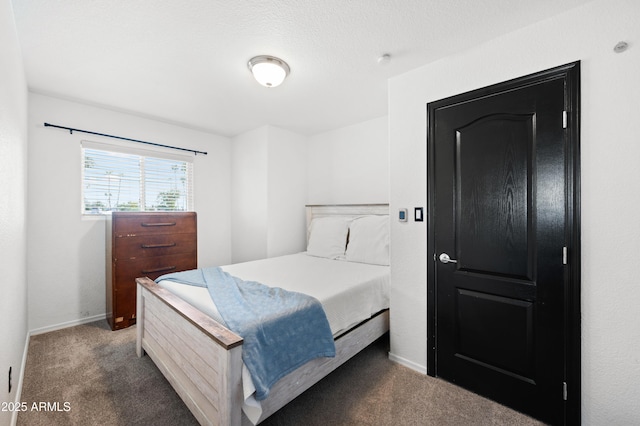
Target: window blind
x=119, y=178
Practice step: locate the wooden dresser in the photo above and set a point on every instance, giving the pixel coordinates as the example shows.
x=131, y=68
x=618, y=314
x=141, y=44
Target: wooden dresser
x=143, y=244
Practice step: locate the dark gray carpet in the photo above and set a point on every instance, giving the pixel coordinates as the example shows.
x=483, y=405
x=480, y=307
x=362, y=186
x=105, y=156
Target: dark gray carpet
x=97, y=373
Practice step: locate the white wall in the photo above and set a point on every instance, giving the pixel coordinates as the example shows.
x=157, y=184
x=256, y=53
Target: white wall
x=610, y=187
x=350, y=165
x=13, y=203
x=287, y=191
x=66, y=260
x=249, y=197
x=276, y=172
x=268, y=193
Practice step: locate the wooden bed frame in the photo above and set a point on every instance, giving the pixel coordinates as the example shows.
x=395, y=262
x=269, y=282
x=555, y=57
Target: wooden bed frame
x=202, y=359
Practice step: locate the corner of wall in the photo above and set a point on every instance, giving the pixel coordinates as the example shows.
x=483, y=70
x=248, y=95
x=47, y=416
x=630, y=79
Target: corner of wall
x=13, y=223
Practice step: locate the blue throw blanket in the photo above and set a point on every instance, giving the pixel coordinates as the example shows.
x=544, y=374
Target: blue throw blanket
x=282, y=330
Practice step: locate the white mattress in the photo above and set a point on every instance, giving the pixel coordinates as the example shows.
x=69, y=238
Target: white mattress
x=349, y=293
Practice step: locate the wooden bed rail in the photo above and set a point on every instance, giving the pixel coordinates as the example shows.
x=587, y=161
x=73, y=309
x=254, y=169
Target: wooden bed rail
x=222, y=335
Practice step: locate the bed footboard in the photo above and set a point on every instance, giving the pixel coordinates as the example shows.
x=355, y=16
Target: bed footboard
x=199, y=357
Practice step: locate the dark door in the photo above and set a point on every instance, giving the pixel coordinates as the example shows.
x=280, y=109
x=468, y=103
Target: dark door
x=501, y=199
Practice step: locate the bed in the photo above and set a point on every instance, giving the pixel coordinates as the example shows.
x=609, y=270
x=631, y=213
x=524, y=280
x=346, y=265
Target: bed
x=202, y=359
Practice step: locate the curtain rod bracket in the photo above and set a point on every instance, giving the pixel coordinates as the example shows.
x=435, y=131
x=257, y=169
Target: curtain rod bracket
x=71, y=130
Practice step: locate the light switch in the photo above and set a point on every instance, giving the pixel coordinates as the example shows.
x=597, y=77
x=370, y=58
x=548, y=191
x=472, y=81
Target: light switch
x=402, y=215
x=418, y=215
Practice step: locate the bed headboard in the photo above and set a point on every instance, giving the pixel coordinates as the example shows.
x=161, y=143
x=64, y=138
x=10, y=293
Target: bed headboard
x=347, y=210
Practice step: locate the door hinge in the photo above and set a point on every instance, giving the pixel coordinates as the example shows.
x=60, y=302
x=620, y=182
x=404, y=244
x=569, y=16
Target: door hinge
x=564, y=119
x=564, y=391
x=564, y=255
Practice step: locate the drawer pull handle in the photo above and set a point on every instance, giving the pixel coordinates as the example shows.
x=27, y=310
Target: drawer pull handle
x=166, y=268
x=147, y=224
x=158, y=245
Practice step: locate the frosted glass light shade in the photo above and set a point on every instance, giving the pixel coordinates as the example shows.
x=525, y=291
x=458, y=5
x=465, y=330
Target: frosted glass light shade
x=268, y=70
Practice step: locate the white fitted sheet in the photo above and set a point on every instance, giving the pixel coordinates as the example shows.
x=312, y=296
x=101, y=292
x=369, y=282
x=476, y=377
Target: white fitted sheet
x=349, y=292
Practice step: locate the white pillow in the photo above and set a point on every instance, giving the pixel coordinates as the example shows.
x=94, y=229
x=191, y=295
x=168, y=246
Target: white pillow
x=369, y=240
x=328, y=237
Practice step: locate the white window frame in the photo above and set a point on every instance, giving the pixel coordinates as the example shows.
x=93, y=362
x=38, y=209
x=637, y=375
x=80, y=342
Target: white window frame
x=143, y=205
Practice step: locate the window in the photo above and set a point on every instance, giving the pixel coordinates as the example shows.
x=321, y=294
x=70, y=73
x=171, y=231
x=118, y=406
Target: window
x=117, y=178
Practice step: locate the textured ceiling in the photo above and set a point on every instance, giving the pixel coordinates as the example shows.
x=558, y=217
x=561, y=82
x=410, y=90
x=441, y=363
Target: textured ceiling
x=185, y=61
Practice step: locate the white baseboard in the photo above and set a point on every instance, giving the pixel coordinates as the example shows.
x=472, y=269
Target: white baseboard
x=410, y=364
x=14, y=417
x=67, y=324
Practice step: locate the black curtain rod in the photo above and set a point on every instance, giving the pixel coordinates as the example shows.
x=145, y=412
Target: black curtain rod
x=71, y=130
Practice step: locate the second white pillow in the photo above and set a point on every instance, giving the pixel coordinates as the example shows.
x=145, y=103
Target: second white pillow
x=369, y=240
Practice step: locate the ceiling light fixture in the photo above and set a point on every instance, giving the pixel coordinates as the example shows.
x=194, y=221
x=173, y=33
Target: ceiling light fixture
x=268, y=70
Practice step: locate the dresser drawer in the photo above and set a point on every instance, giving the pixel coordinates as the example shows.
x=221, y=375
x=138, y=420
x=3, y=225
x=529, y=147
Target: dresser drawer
x=126, y=271
x=153, y=223
x=153, y=245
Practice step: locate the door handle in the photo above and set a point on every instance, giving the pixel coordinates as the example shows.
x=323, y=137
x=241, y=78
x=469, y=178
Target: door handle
x=444, y=258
